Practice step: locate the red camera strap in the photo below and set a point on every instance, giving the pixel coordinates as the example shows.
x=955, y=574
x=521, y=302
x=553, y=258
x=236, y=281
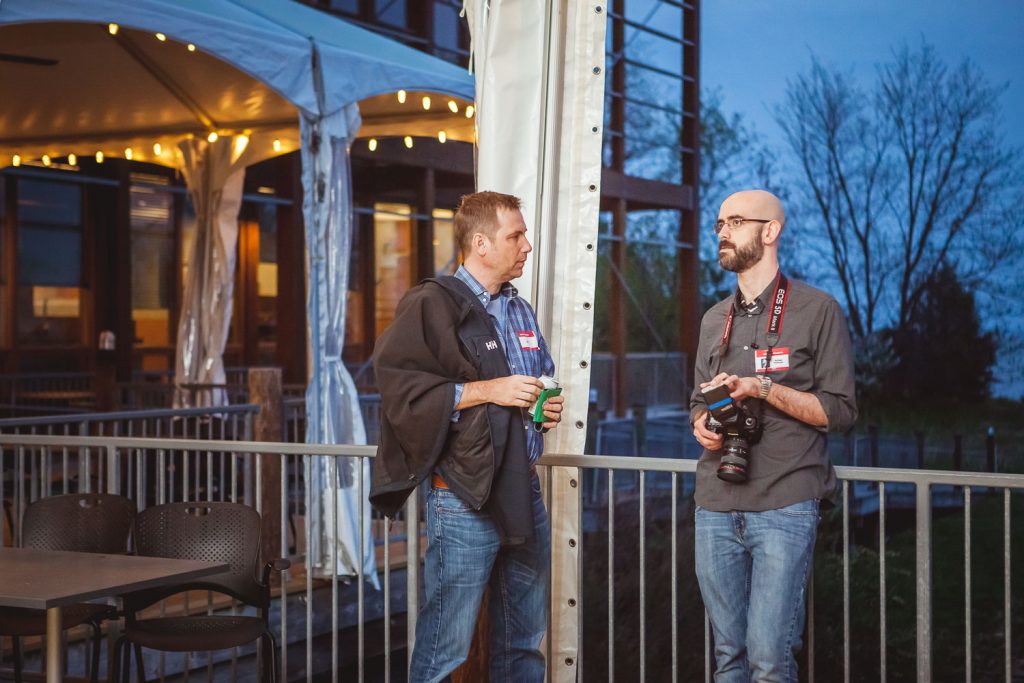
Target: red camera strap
x=779, y=299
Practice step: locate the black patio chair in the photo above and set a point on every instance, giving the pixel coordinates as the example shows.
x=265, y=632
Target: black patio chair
x=80, y=522
x=216, y=532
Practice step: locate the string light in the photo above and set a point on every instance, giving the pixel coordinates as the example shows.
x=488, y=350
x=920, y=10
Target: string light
x=372, y=144
x=212, y=137
x=112, y=29
x=426, y=103
x=46, y=160
x=442, y=137
x=161, y=37
x=16, y=161
x=469, y=111
x=277, y=145
x=99, y=157
x=157, y=149
x=408, y=141
x=191, y=47
x=401, y=97
x=128, y=154
x=453, y=106
x=72, y=160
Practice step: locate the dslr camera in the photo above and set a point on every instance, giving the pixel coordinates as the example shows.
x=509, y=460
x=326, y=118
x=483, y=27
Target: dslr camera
x=740, y=428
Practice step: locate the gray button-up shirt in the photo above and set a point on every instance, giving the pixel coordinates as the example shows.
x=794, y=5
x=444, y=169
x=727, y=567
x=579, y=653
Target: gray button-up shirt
x=814, y=355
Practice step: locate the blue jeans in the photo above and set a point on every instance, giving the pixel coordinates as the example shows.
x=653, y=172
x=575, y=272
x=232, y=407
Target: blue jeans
x=752, y=568
x=464, y=555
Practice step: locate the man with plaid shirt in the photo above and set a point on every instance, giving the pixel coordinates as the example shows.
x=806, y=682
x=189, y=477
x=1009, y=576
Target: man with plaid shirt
x=450, y=418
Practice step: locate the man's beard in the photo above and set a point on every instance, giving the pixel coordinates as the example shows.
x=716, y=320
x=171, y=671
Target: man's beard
x=742, y=258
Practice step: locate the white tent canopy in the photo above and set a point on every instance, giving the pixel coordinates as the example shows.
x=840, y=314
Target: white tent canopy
x=252, y=71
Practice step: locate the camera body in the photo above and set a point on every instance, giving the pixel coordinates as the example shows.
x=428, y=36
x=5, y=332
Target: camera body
x=740, y=428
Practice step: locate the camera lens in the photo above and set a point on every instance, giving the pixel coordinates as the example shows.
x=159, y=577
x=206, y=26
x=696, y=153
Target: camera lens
x=733, y=465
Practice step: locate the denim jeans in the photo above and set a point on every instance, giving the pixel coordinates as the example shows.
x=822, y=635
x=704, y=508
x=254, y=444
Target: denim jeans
x=464, y=555
x=752, y=568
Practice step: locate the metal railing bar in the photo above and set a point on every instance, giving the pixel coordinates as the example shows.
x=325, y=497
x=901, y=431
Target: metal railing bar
x=309, y=574
x=150, y=413
x=881, y=583
x=967, y=584
x=846, y=581
x=643, y=578
x=675, y=579
x=1007, y=602
x=242, y=447
x=924, y=581
x=332, y=497
x=360, y=588
x=611, y=576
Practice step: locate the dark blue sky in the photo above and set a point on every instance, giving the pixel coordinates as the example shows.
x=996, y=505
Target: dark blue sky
x=749, y=48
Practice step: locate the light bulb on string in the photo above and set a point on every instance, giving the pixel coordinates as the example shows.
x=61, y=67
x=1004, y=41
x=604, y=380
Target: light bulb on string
x=408, y=141
x=426, y=103
x=112, y=29
x=277, y=145
x=157, y=149
x=72, y=160
x=161, y=37
x=212, y=137
x=128, y=153
x=46, y=160
x=16, y=160
x=99, y=157
x=453, y=106
x=470, y=110
x=401, y=97
x=372, y=144
x=191, y=47
x=442, y=137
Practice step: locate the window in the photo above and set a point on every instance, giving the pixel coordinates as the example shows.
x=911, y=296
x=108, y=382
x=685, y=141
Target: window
x=446, y=251
x=266, y=286
x=393, y=263
x=151, y=216
x=49, y=257
x=392, y=12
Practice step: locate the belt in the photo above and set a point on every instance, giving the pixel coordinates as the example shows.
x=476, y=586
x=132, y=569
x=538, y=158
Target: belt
x=438, y=482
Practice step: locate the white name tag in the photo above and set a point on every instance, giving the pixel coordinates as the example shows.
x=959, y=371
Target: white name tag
x=528, y=341
x=780, y=359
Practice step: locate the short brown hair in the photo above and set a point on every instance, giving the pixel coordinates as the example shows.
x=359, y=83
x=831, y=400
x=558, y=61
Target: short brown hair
x=478, y=212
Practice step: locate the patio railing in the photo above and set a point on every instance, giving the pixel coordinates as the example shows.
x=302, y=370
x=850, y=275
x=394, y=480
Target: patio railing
x=913, y=572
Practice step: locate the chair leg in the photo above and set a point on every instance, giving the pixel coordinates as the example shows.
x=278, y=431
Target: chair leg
x=97, y=635
x=115, y=675
x=140, y=666
x=16, y=650
x=269, y=673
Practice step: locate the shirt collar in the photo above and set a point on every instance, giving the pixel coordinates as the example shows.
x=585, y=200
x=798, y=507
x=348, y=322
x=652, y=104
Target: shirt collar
x=760, y=302
x=507, y=289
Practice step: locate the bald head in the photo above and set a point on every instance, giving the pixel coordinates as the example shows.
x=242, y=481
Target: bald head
x=759, y=204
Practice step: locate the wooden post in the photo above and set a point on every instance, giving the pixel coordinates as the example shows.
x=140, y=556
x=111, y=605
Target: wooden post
x=265, y=391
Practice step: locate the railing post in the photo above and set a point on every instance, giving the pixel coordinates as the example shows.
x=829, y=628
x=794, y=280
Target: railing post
x=265, y=391
x=412, y=569
x=924, y=582
x=873, y=445
x=640, y=424
x=990, y=449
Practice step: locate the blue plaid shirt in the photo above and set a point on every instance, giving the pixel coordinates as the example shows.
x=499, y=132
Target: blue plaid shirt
x=519, y=333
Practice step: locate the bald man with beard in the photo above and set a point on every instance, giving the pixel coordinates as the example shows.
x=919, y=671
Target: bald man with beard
x=782, y=350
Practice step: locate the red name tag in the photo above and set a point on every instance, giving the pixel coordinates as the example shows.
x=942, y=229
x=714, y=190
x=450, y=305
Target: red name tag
x=528, y=341
x=780, y=359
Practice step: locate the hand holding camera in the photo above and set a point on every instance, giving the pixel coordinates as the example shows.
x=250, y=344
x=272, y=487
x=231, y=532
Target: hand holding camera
x=739, y=426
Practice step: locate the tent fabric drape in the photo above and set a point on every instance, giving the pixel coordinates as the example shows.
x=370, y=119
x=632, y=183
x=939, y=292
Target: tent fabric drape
x=214, y=173
x=539, y=70
x=332, y=404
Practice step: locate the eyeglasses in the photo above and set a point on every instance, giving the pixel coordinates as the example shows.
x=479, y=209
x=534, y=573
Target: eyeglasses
x=736, y=221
